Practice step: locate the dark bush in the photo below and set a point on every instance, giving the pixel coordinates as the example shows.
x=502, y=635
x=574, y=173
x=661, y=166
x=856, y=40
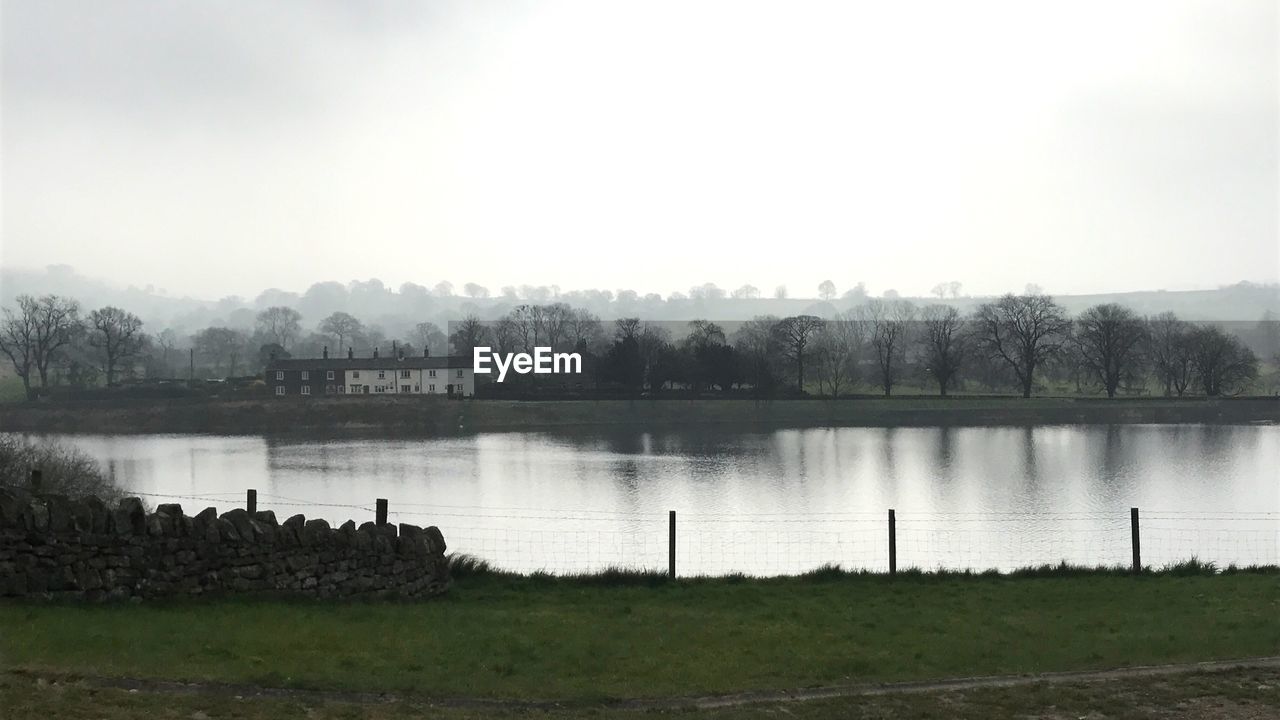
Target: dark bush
x=64, y=470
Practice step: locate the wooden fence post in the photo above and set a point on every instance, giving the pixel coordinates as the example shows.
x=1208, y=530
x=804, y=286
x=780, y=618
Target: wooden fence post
x=1137, y=541
x=382, y=512
x=893, y=543
x=671, y=544
x=251, y=500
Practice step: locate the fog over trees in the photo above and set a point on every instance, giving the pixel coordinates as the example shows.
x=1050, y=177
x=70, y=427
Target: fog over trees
x=702, y=339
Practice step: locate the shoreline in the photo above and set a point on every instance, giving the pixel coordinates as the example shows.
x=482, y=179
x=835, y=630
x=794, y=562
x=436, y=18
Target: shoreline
x=417, y=417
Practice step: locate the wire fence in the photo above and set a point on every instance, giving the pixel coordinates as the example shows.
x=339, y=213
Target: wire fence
x=562, y=541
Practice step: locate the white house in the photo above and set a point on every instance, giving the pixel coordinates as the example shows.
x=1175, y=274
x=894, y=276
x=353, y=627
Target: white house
x=400, y=375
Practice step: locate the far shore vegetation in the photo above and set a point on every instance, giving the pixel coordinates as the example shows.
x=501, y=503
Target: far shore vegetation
x=1025, y=344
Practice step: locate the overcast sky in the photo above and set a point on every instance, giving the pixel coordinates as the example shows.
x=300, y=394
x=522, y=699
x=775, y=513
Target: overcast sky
x=216, y=148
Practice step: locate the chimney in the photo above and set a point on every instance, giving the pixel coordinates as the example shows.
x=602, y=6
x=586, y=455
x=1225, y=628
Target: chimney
x=426, y=351
x=273, y=356
x=375, y=353
x=326, y=352
x=351, y=353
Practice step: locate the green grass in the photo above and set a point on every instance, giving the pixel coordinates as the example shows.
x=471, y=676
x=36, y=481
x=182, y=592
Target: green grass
x=1226, y=694
x=627, y=635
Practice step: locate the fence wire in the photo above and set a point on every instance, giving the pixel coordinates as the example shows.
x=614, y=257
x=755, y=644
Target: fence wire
x=568, y=541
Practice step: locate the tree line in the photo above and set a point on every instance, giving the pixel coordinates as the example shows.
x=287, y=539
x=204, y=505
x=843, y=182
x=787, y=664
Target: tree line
x=51, y=341
x=1015, y=341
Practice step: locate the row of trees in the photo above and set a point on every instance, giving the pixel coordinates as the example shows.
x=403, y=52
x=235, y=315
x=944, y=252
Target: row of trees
x=1014, y=341
x=50, y=340
x=45, y=334
x=1017, y=340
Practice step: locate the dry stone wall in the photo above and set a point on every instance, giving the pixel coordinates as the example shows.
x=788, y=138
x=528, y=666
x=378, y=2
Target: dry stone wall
x=53, y=547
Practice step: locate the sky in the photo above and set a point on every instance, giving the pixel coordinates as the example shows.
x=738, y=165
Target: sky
x=218, y=148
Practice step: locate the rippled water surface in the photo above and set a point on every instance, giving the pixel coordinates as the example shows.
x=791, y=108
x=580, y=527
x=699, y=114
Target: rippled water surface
x=763, y=502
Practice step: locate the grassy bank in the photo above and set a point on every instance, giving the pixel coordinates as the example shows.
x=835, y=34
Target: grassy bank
x=536, y=637
x=1227, y=695
x=433, y=416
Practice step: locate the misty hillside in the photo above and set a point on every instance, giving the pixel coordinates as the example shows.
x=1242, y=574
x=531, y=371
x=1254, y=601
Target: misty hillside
x=396, y=308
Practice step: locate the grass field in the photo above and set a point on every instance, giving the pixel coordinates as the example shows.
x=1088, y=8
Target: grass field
x=591, y=639
x=1238, y=694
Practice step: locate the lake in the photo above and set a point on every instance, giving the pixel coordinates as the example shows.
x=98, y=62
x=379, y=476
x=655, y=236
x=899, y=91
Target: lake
x=768, y=502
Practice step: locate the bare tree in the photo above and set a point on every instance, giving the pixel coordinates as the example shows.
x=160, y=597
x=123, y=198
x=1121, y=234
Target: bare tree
x=476, y=291
x=342, y=327
x=444, y=288
x=794, y=335
x=890, y=325
x=508, y=335
x=280, y=324
x=1109, y=340
x=1169, y=347
x=18, y=341
x=469, y=334
x=826, y=290
x=624, y=328
x=222, y=347
x=746, y=292
x=939, y=290
x=33, y=337
x=1223, y=364
x=553, y=323
x=430, y=338
x=1023, y=331
x=704, y=332
x=166, y=341
x=946, y=344
x=583, y=329
x=835, y=354
x=758, y=346
x=117, y=334
x=780, y=292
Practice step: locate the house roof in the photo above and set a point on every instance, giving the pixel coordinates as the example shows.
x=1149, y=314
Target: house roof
x=380, y=363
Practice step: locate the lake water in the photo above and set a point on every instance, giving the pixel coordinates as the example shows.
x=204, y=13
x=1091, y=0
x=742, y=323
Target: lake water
x=770, y=502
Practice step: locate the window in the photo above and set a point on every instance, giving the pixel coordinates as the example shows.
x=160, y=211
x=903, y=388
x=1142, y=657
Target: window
x=329, y=389
x=382, y=374
x=355, y=374
x=306, y=389
x=279, y=374
x=404, y=373
x=417, y=388
x=404, y=388
x=431, y=373
x=279, y=389
x=431, y=388
x=306, y=375
x=459, y=373
x=342, y=389
x=328, y=375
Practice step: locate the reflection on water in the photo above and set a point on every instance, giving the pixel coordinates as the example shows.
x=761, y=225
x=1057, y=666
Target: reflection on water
x=766, y=502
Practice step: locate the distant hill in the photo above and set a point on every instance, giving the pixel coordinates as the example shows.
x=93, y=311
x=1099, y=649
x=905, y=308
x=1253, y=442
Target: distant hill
x=397, y=311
